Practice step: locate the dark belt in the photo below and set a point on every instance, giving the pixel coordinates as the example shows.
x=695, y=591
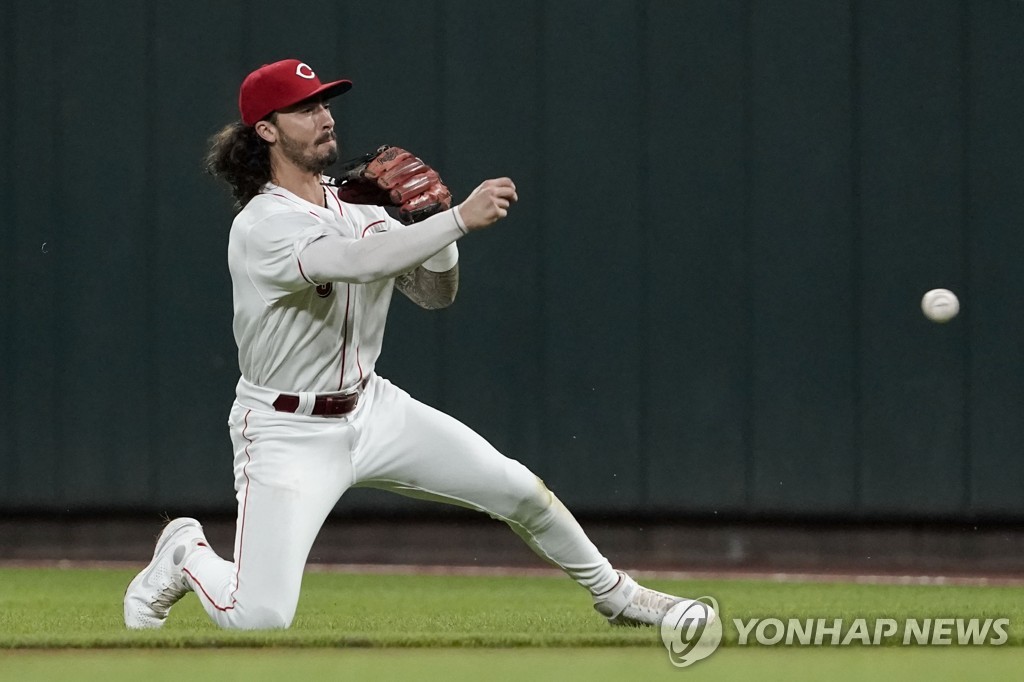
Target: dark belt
x=325, y=404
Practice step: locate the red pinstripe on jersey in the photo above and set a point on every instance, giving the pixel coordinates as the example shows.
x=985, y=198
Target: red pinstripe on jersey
x=345, y=331
x=370, y=227
x=334, y=194
x=303, y=272
x=344, y=335
x=299, y=262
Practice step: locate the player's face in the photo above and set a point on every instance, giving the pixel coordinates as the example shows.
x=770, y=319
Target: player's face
x=306, y=135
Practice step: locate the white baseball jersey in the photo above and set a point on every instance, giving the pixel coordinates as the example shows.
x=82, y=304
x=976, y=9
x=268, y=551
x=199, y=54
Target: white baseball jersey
x=295, y=334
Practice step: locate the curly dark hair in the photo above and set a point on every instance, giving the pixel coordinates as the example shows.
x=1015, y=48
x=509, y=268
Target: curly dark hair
x=241, y=158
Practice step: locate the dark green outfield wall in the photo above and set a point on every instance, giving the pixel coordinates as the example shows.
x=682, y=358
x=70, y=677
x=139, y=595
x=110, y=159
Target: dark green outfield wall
x=706, y=300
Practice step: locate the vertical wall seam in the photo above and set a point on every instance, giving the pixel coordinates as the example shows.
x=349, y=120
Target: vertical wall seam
x=246, y=56
x=857, y=246
x=340, y=37
x=9, y=434
x=644, y=257
x=747, y=134
x=965, y=226
x=539, y=242
x=150, y=245
x=61, y=44
x=441, y=321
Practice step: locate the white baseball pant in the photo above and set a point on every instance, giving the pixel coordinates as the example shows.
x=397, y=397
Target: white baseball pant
x=291, y=470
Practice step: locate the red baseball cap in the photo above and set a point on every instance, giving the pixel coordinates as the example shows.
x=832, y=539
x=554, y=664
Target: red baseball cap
x=279, y=85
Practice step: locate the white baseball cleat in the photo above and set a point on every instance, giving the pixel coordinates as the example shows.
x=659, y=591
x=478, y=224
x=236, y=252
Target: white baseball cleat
x=159, y=586
x=631, y=604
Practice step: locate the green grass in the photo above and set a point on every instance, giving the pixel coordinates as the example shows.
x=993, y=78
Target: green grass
x=510, y=665
x=452, y=628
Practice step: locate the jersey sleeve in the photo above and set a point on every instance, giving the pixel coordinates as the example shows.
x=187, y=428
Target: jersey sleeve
x=383, y=251
x=272, y=253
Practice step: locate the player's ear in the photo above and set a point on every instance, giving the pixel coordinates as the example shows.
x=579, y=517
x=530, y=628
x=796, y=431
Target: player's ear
x=267, y=131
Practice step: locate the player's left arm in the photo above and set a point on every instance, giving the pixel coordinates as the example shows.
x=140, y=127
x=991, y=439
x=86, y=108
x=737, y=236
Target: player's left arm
x=428, y=289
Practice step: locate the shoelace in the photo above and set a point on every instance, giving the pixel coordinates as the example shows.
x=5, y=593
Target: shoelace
x=169, y=595
x=652, y=601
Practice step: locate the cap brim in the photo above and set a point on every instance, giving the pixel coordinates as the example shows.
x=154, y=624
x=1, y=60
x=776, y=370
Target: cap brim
x=328, y=90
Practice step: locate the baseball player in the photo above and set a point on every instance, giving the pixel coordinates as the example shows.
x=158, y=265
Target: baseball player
x=314, y=263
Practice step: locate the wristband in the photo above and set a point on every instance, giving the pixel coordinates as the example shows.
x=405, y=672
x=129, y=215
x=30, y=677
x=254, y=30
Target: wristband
x=458, y=221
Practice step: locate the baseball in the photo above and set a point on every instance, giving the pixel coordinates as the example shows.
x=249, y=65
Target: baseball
x=940, y=305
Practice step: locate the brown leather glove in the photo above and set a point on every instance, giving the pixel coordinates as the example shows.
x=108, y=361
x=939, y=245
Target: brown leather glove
x=391, y=176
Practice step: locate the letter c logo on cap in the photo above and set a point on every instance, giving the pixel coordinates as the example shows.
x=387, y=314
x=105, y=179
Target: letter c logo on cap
x=303, y=71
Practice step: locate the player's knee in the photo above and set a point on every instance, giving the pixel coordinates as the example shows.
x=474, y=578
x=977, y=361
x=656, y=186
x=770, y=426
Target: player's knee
x=261, y=618
x=534, y=501
x=269, y=619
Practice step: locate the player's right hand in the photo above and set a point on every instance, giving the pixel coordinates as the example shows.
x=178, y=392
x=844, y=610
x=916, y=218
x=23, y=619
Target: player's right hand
x=488, y=203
